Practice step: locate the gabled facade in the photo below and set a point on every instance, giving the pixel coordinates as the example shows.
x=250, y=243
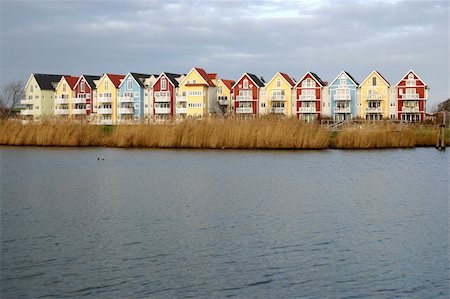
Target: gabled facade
x=131, y=98
x=343, y=97
x=39, y=96
x=197, y=92
x=308, y=97
x=412, y=94
x=375, y=97
x=247, y=93
x=82, y=101
x=64, y=94
x=224, y=92
x=106, y=98
x=279, y=94
x=165, y=92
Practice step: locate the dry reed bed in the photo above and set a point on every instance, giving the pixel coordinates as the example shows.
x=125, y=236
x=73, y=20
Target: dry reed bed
x=214, y=133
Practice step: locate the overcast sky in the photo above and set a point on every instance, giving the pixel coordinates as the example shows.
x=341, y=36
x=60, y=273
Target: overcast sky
x=229, y=37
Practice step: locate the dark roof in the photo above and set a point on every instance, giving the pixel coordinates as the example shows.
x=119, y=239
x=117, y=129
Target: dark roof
x=350, y=76
x=257, y=81
x=173, y=78
x=90, y=80
x=318, y=79
x=47, y=81
x=140, y=78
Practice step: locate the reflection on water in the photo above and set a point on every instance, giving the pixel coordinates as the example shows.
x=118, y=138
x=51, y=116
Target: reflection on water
x=250, y=224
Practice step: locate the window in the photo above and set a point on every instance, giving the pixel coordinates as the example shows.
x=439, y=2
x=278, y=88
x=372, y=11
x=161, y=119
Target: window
x=163, y=84
x=129, y=84
x=410, y=76
x=64, y=87
x=31, y=88
x=82, y=86
x=245, y=83
x=263, y=105
x=219, y=89
x=194, y=81
x=374, y=81
x=342, y=82
x=106, y=85
x=278, y=83
x=136, y=94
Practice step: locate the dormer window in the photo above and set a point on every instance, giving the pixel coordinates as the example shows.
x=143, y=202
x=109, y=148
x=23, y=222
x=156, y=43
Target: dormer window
x=278, y=83
x=245, y=83
x=82, y=87
x=374, y=81
x=163, y=84
x=129, y=84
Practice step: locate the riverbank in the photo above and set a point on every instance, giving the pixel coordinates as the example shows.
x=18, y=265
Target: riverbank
x=218, y=133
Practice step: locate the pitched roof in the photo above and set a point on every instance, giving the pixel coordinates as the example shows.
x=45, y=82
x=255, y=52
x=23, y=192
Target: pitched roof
x=318, y=79
x=350, y=76
x=288, y=79
x=47, y=81
x=375, y=71
x=205, y=76
x=90, y=80
x=72, y=81
x=411, y=71
x=212, y=76
x=139, y=78
x=259, y=82
x=173, y=78
x=228, y=83
x=115, y=79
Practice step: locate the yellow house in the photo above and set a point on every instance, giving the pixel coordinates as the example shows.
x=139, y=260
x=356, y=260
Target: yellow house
x=64, y=95
x=224, y=91
x=374, y=97
x=196, y=94
x=279, y=94
x=106, y=99
x=39, y=96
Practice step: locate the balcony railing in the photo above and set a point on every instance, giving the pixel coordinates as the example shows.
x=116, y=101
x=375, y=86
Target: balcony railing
x=411, y=82
x=162, y=98
x=410, y=109
x=373, y=97
x=104, y=110
x=307, y=110
x=181, y=110
x=244, y=110
x=26, y=101
x=277, y=98
x=60, y=100
x=245, y=98
x=26, y=112
x=342, y=110
x=104, y=100
x=181, y=98
x=374, y=110
x=104, y=121
x=411, y=96
x=223, y=102
x=278, y=110
x=61, y=111
x=307, y=98
x=78, y=111
x=342, y=97
x=162, y=110
x=126, y=111
x=126, y=99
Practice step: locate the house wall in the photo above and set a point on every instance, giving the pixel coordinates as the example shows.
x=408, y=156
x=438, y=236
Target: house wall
x=169, y=87
x=381, y=88
x=286, y=87
x=197, y=105
x=255, y=92
x=352, y=91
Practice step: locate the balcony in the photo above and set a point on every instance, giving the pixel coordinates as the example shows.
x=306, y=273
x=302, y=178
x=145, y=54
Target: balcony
x=373, y=97
x=162, y=110
x=411, y=82
x=26, y=112
x=162, y=98
x=277, y=98
x=245, y=98
x=105, y=122
x=410, y=109
x=374, y=110
x=181, y=98
x=223, y=102
x=126, y=99
x=244, y=110
x=307, y=110
x=104, y=110
x=307, y=98
x=342, y=97
x=104, y=100
x=278, y=110
x=410, y=97
x=61, y=100
x=181, y=110
x=61, y=111
x=126, y=111
x=342, y=110
x=79, y=111
x=26, y=101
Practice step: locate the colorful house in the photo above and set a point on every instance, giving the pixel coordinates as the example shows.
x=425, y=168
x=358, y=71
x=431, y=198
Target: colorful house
x=279, y=94
x=64, y=94
x=131, y=98
x=308, y=96
x=105, y=101
x=165, y=92
x=412, y=94
x=197, y=93
x=82, y=101
x=148, y=97
x=224, y=92
x=247, y=93
x=374, y=97
x=343, y=93
x=39, y=96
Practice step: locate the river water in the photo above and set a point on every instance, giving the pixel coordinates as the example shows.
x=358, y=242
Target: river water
x=214, y=224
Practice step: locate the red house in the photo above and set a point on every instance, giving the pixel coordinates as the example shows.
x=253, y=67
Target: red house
x=246, y=92
x=412, y=94
x=308, y=97
x=84, y=94
x=164, y=95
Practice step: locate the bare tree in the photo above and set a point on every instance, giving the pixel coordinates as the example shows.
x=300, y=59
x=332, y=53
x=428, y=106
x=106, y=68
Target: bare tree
x=10, y=95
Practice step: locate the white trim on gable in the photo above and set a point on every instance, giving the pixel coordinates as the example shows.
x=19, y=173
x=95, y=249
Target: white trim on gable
x=257, y=86
x=279, y=73
x=314, y=78
x=347, y=74
x=125, y=79
x=167, y=79
x=411, y=71
x=370, y=75
x=193, y=69
x=28, y=82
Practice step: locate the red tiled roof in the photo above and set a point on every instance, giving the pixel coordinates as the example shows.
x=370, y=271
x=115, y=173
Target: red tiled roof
x=71, y=81
x=115, y=79
x=289, y=79
x=228, y=83
x=212, y=76
x=205, y=76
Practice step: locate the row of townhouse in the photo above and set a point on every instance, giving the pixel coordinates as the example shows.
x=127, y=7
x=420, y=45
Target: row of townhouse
x=112, y=99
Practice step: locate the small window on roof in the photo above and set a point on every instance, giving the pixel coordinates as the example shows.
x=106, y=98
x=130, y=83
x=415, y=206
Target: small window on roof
x=374, y=81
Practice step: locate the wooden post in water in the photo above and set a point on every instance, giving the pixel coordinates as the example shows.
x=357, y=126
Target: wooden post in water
x=440, y=145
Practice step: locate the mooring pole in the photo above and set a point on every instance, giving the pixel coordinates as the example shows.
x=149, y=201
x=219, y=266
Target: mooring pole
x=440, y=145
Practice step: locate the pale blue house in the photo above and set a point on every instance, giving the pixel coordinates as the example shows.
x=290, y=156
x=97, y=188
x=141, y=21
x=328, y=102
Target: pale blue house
x=343, y=96
x=131, y=98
